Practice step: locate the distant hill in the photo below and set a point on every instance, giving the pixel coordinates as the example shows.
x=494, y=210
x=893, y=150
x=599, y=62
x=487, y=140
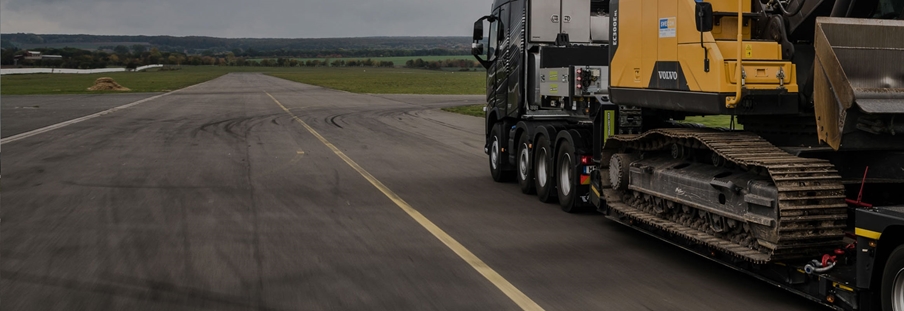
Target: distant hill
x=245, y=46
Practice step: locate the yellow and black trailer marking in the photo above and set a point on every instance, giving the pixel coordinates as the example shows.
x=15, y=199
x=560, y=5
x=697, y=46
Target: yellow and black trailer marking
x=879, y=231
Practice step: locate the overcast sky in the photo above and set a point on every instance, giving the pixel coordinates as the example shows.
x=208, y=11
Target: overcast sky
x=243, y=19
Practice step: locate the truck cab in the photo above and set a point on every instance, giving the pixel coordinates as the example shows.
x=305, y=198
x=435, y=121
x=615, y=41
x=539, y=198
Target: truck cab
x=547, y=80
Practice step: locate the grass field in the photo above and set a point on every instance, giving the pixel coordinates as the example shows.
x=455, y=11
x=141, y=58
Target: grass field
x=358, y=80
x=389, y=80
x=471, y=110
x=152, y=81
x=714, y=121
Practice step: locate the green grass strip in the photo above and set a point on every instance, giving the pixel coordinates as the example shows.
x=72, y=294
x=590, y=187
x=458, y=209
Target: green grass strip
x=723, y=121
x=471, y=110
x=151, y=81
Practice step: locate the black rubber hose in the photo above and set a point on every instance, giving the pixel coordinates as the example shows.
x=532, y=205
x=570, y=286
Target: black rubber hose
x=796, y=11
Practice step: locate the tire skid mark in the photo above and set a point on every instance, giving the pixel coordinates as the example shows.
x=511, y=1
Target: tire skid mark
x=235, y=128
x=333, y=120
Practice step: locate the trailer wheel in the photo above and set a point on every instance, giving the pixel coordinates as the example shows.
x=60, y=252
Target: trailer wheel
x=497, y=156
x=893, y=281
x=544, y=170
x=525, y=166
x=565, y=176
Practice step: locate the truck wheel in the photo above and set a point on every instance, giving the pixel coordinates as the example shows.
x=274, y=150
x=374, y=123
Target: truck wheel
x=497, y=156
x=525, y=166
x=893, y=281
x=565, y=175
x=544, y=170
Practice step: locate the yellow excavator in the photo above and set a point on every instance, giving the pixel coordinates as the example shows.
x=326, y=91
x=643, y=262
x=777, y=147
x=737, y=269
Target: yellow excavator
x=818, y=107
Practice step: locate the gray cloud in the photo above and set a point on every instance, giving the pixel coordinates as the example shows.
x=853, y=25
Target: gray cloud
x=237, y=18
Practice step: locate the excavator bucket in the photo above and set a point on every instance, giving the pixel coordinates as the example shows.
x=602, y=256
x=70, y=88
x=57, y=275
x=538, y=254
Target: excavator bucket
x=858, y=79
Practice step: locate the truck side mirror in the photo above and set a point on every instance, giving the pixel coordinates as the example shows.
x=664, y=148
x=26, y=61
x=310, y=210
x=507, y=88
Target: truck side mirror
x=476, y=49
x=704, y=12
x=476, y=46
x=478, y=30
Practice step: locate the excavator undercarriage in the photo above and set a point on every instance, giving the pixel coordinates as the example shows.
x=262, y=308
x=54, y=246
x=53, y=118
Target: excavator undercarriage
x=732, y=191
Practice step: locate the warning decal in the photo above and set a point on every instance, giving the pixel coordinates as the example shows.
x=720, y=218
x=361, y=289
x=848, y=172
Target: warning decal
x=667, y=27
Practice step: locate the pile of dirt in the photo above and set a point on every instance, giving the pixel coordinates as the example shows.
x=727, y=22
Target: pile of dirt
x=107, y=84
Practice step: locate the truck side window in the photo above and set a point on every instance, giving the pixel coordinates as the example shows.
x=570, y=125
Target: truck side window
x=493, y=40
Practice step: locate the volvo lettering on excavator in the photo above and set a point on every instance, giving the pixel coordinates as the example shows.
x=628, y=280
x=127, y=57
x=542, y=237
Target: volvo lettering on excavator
x=585, y=107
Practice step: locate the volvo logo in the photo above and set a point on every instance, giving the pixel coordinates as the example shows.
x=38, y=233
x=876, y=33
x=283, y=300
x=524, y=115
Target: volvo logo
x=668, y=75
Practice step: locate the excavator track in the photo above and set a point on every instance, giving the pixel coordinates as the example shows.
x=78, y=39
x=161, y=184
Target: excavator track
x=811, y=211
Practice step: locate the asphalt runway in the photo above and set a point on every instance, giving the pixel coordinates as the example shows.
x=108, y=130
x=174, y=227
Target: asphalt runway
x=30, y=112
x=217, y=198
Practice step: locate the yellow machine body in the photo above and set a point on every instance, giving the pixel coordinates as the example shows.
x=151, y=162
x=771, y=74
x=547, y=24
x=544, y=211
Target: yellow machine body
x=658, y=37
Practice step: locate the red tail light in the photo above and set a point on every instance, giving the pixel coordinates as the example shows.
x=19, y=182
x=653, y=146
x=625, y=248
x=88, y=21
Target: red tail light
x=586, y=160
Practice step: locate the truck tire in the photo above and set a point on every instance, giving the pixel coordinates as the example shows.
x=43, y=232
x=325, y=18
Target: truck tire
x=497, y=156
x=893, y=281
x=566, y=186
x=524, y=169
x=544, y=169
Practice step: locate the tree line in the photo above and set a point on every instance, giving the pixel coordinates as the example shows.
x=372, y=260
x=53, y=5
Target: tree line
x=253, y=47
x=462, y=64
x=92, y=51
x=84, y=59
x=140, y=55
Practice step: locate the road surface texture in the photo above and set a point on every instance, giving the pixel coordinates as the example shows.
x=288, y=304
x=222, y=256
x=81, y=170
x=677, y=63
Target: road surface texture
x=23, y=113
x=215, y=197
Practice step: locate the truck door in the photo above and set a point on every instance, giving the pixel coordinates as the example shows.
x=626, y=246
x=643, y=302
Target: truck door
x=497, y=86
x=513, y=56
x=492, y=29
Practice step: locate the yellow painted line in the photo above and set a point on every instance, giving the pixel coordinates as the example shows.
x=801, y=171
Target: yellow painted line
x=491, y=275
x=867, y=233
